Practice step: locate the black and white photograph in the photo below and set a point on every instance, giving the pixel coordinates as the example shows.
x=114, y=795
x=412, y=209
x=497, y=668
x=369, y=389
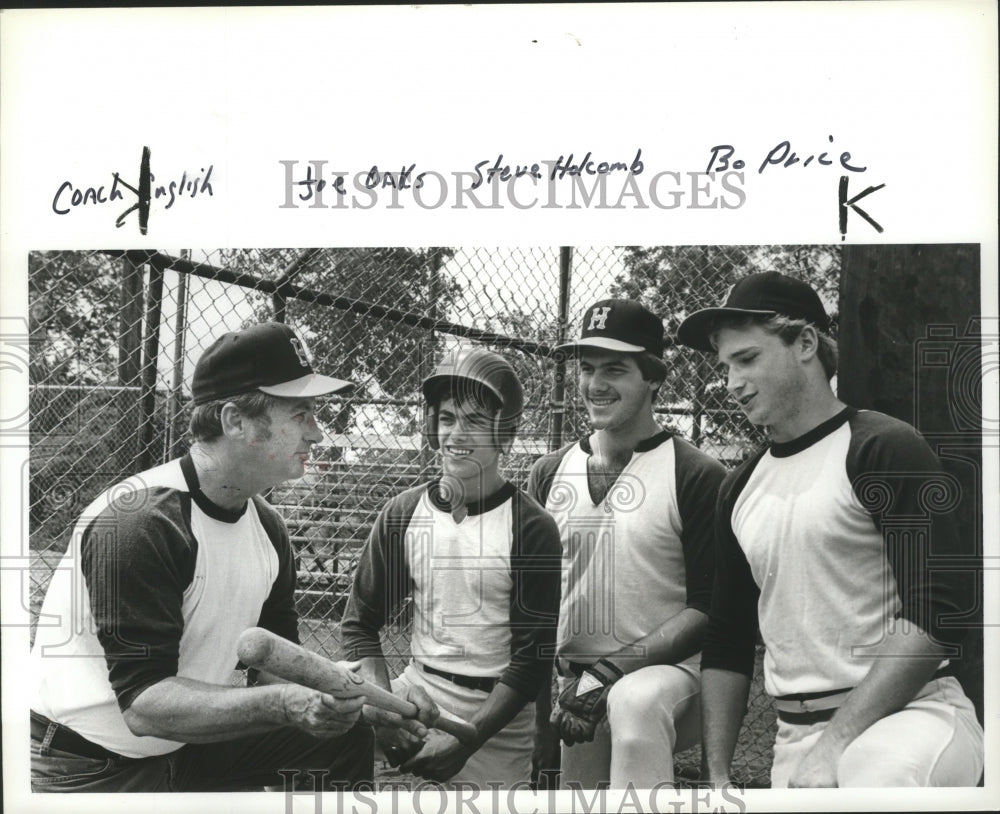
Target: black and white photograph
x=381, y=457
x=123, y=386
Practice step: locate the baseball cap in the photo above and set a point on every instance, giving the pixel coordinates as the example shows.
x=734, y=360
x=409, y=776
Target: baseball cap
x=621, y=325
x=767, y=293
x=268, y=357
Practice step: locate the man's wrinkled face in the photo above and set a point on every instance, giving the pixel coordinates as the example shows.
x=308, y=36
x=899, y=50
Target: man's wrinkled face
x=282, y=442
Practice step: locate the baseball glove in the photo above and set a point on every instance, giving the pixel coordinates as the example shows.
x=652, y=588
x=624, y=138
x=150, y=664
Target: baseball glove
x=583, y=703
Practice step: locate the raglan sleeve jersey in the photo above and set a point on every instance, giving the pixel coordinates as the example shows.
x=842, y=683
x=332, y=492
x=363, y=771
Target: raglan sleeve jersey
x=732, y=625
x=698, y=478
x=543, y=474
x=654, y=536
x=170, y=581
x=381, y=580
x=485, y=590
x=826, y=542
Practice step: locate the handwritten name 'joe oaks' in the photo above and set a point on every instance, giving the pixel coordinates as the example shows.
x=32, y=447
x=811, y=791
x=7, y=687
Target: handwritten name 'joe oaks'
x=483, y=172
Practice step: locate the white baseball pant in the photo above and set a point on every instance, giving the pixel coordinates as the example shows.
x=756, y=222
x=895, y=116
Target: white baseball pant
x=935, y=740
x=506, y=757
x=653, y=713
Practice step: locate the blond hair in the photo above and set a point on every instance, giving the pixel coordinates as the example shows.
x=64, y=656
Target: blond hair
x=788, y=330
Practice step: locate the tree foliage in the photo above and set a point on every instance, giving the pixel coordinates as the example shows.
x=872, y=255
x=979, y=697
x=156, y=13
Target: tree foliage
x=675, y=281
x=73, y=317
x=537, y=375
x=75, y=321
x=385, y=359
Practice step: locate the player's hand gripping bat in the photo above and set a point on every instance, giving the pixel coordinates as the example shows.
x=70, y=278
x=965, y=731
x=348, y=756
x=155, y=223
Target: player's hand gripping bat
x=264, y=650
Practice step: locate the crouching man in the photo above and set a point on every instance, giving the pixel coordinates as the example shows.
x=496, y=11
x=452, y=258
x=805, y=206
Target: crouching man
x=480, y=560
x=162, y=574
x=634, y=504
x=816, y=544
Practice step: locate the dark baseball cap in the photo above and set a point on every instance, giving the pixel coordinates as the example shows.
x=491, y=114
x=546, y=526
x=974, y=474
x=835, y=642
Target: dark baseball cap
x=621, y=325
x=768, y=293
x=268, y=357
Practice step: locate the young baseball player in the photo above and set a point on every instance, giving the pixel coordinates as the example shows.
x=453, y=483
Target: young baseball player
x=824, y=539
x=480, y=560
x=133, y=668
x=633, y=503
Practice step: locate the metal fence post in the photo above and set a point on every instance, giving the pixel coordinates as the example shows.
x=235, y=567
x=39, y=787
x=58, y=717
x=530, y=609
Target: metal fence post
x=559, y=375
x=130, y=323
x=698, y=407
x=150, y=355
x=174, y=436
x=279, y=302
x=425, y=457
x=129, y=359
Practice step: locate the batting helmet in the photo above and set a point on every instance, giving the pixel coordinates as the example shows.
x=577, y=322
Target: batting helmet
x=470, y=369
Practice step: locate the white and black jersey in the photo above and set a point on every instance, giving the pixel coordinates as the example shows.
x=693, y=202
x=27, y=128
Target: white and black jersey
x=640, y=555
x=157, y=581
x=485, y=590
x=825, y=542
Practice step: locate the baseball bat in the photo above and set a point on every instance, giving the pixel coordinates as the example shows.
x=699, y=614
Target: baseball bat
x=264, y=650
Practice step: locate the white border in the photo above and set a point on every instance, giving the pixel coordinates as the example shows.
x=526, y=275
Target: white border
x=908, y=87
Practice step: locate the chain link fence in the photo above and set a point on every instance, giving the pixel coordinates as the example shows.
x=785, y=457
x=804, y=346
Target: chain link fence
x=114, y=337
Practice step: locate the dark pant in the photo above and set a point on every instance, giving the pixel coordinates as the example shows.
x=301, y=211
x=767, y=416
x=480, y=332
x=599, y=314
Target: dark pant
x=286, y=758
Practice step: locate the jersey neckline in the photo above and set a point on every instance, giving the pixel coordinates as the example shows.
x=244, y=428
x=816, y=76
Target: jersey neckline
x=213, y=510
x=786, y=449
x=645, y=445
x=481, y=506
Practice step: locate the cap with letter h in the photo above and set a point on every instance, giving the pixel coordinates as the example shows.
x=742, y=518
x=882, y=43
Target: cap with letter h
x=626, y=326
x=268, y=357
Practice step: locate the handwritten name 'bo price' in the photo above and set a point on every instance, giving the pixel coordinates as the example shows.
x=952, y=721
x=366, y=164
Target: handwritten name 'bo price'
x=723, y=158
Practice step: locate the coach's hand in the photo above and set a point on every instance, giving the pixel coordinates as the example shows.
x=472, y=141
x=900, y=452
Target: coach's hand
x=583, y=703
x=318, y=713
x=440, y=759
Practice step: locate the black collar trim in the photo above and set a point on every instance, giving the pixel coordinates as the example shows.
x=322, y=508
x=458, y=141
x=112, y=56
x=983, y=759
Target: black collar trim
x=786, y=449
x=645, y=445
x=487, y=504
x=213, y=510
